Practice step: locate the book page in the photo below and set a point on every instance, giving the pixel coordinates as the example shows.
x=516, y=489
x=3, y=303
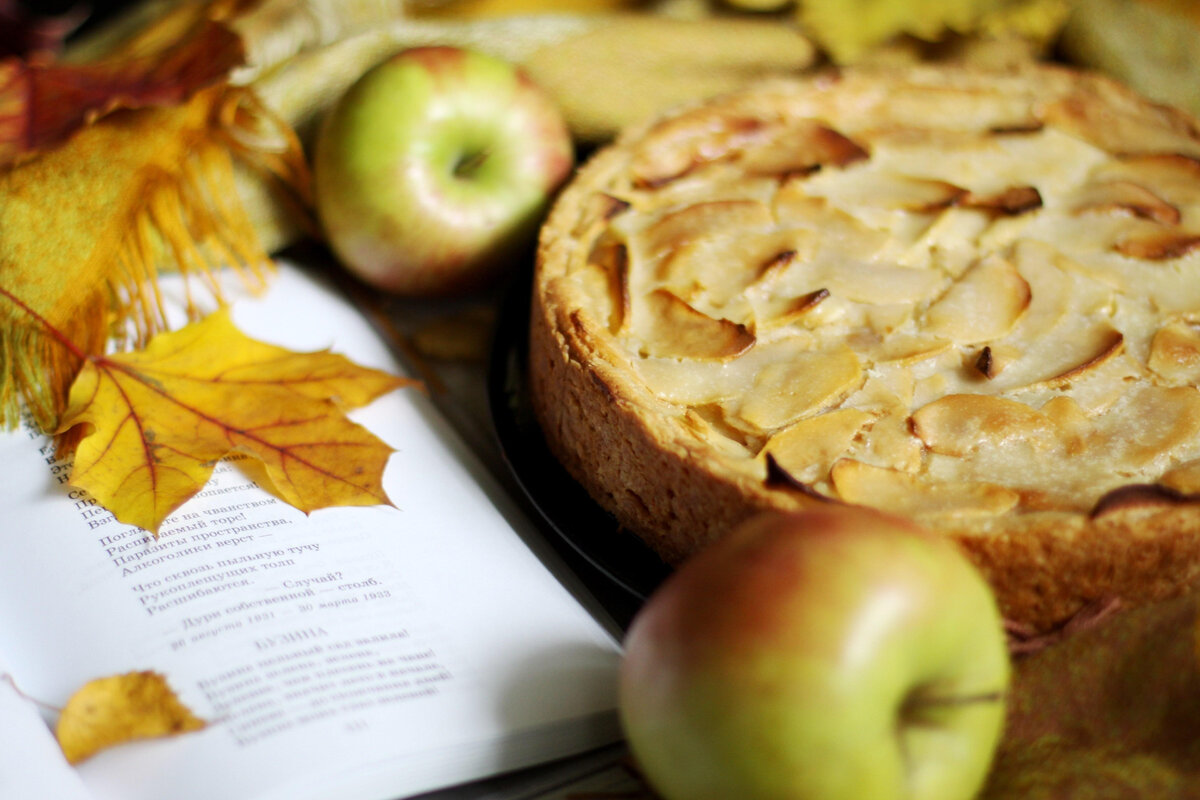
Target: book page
x=354, y=652
x=32, y=766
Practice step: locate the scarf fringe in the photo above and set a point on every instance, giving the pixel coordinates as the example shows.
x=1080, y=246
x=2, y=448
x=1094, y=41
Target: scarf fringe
x=190, y=220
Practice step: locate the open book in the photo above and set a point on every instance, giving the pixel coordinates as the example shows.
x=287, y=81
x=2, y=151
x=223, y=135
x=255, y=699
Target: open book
x=355, y=653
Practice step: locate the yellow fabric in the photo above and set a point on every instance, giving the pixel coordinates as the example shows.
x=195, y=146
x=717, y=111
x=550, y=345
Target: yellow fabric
x=85, y=228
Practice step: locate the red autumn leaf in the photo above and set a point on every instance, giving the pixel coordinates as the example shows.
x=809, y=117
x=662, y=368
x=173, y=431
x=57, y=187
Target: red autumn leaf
x=42, y=101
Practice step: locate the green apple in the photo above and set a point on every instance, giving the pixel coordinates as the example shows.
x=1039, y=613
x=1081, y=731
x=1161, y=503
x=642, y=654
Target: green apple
x=433, y=171
x=832, y=654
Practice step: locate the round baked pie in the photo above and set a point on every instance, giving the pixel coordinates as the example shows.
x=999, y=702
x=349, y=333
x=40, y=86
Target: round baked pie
x=967, y=297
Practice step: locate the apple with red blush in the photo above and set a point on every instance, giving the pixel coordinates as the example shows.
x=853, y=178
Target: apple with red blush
x=432, y=173
x=831, y=654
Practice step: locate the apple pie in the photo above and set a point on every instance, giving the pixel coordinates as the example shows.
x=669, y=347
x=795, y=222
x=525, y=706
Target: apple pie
x=967, y=297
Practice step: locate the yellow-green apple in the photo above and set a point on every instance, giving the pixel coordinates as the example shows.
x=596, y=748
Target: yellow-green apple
x=434, y=169
x=831, y=654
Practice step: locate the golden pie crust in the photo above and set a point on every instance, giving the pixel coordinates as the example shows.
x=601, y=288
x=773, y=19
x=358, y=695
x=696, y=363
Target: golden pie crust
x=968, y=297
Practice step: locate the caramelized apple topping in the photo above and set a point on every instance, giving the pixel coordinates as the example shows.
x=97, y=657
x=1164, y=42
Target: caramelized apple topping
x=908, y=494
x=683, y=143
x=596, y=212
x=775, y=264
x=704, y=221
x=680, y=331
x=984, y=304
x=807, y=448
x=958, y=424
x=1139, y=496
x=606, y=206
x=924, y=315
x=1184, y=478
x=1126, y=197
x=809, y=382
x=894, y=191
x=1022, y=128
x=1010, y=202
x=1164, y=419
x=1120, y=125
x=779, y=478
x=905, y=348
x=1072, y=425
x=611, y=256
x=802, y=149
x=1172, y=177
x=1175, y=353
x=804, y=304
x=985, y=364
x=1106, y=343
x=1160, y=247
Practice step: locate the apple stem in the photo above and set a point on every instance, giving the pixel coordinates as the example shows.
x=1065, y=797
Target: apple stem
x=924, y=701
x=11, y=681
x=471, y=162
x=920, y=702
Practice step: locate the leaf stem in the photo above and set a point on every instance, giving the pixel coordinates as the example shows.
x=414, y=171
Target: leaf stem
x=54, y=332
x=11, y=681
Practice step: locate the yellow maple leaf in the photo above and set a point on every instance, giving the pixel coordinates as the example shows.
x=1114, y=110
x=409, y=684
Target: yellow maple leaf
x=118, y=709
x=159, y=419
